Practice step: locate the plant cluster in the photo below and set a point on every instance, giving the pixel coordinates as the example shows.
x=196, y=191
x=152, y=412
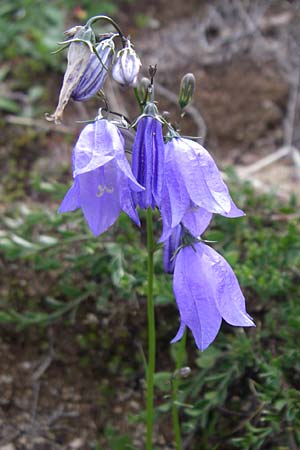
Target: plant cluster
x=174, y=179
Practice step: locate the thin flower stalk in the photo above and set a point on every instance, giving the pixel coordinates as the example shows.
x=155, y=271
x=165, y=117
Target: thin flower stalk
x=151, y=333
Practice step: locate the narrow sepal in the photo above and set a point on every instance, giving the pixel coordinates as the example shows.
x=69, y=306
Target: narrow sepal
x=195, y=298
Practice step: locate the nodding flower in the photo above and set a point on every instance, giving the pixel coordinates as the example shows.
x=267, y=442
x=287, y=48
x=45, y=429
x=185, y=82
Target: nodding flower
x=96, y=72
x=103, y=181
x=79, y=53
x=193, y=188
x=148, y=158
x=206, y=291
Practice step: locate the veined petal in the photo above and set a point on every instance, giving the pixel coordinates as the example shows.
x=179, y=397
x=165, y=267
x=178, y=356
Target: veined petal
x=148, y=162
x=95, y=74
x=202, y=178
x=125, y=168
x=126, y=201
x=98, y=143
x=71, y=199
x=127, y=66
x=99, y=198
x=229, y=298
x=187, y=165
x=158, y=160
x=82, y=152
x=215, y=182
x=166, y=215
x=175, y=185
x=108, y=139
x=96, y=162
x=213, y=178
x=196, y=220
x=195, y=297
x=142, y=157
x=103, y=178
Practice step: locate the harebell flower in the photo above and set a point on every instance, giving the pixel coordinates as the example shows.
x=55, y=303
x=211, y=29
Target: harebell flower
x=174, y=175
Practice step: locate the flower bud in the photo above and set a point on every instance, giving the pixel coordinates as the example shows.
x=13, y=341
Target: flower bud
x=95, y=73
x=183, y=372
x=127, y=66
x=186, y=91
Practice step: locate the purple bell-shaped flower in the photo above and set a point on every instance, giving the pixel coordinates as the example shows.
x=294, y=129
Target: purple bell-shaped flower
x=193, y=188
x=103, y=181
x=148, y=158
x=206, y=290
x=96, y=72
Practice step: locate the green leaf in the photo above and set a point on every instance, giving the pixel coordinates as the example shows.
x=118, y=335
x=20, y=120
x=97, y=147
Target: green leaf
x=162, y=380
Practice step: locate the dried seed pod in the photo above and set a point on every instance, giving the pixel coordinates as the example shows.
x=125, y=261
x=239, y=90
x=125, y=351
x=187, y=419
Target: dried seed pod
x=78, y=59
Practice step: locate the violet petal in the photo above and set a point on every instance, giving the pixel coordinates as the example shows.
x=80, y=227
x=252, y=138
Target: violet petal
x=229, y=297
x=147, y=162
x=195, y=297
x=71, y=199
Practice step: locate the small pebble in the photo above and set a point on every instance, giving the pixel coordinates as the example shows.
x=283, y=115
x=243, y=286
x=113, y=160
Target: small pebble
x=76, y=443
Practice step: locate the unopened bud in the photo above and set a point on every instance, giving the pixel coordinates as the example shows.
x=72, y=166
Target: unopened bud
x=127, y=66
x=95, y=73
x=186, y=91
x=143, y=87
x=183, y=372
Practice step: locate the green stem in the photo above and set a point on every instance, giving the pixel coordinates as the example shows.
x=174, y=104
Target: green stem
x=110, y=20
x=151, y=333
x=137, y=97
x=175, y=387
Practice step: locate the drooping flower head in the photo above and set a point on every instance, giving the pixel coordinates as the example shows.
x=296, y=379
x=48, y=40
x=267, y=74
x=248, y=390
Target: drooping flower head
x=148, y=158
x=206, y=290
x=79, y=53
x=96, y=71
x=127, y=66
x=192, y=182
x=103, y=180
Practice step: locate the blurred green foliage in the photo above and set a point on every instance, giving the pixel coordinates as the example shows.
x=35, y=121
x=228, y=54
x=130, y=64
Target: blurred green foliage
x=29, y=33
x=32, y=28
x=244, y=391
